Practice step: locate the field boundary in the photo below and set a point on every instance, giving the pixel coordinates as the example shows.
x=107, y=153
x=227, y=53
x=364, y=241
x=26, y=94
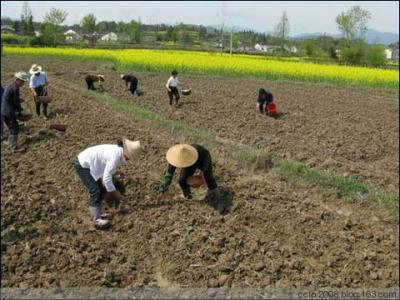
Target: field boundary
x=254, y=159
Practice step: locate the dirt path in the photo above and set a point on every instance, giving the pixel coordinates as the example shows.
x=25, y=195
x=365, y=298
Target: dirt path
x=276, y=234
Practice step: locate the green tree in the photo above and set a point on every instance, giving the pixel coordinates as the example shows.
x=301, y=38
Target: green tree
x=102, y=26
x=353, y=23
x=51, y=31
x=309, y=48
x=282, y=30
x=376, y=56
x=134, y=31
x=88, y=23
x=26, y=19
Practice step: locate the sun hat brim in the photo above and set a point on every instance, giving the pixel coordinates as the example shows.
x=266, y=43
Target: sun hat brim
x=35, y=69
x=22, y=76
x=182, y=155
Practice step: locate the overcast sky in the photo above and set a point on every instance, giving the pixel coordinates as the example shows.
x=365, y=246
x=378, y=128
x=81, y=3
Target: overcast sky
x=304, y=17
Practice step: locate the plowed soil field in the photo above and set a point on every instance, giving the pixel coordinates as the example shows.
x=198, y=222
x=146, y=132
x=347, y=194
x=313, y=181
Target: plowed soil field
x=273, y=234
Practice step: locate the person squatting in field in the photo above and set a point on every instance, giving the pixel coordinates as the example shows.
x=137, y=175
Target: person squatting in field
x=11, y=109
x=96, y=165
x=133, y=83
x=38, y=85
x=172, y=87
x=91, y=79
x=189, y=158
x=264, y=99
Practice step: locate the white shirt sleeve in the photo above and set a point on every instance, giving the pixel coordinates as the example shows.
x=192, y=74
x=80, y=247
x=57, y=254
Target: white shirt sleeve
x=109, y=170
x=168, y=82
x=31, y=81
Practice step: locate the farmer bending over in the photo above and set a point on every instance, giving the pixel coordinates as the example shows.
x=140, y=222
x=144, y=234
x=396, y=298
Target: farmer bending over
x=134, y=82
x=38, y=85
x=96, y=165
x=189, y=158
x=11, y=109
x=91, y=79
x=264, y=99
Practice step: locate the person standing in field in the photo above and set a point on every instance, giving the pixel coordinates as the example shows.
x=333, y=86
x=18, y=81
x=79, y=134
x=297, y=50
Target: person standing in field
x=189, y=158
x=11, y=109
x=38, y=85
x=2, y=123
x=91, y=79
x=264, y=99
x=172, y=87
x=133, y=83
x=96, y=166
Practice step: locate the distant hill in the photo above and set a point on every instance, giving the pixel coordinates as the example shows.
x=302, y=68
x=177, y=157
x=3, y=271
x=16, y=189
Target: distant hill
x=372, y=36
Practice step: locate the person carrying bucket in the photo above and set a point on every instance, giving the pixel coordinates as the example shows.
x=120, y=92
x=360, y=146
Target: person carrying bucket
x=189, y=158
x=172, y=87
x=38, y=85
x=96, y=166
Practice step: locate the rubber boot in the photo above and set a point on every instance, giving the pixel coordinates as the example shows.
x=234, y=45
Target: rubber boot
x=37, y=104
x=13, y=144
x=46, y=115
x=95, y=214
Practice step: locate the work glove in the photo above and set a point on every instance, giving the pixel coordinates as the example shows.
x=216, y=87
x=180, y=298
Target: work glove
x=165, y=183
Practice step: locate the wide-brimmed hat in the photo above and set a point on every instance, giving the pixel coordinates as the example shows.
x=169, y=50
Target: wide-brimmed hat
x=101, y=77
x=35, y=69
x=132, y=147
x=182, y=155
x=22, y=76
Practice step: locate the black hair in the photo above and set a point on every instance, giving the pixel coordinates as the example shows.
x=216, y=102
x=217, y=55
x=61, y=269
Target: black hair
x=174, y=72
x=120, y=143
x=262, y=91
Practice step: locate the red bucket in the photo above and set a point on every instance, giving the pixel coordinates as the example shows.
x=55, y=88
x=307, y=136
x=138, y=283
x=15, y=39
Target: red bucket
x=272, y=110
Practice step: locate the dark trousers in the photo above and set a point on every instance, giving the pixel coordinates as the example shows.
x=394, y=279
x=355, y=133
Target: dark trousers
x=12, y=124
x=90, y=84
x=40, y=91
x=133, y=87
x=187, y=172
x=172, y=93
x=92, y=185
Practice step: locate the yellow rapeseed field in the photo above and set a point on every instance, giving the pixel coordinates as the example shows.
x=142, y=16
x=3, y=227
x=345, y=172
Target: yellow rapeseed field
x=215, y=63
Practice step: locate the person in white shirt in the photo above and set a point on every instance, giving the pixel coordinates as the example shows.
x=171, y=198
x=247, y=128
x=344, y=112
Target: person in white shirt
x=95, y=167
x=172, y=87
x=38, y=85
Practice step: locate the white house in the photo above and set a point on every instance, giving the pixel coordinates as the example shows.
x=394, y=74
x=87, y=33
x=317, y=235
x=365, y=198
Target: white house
x=7, y=29
x=265, y=48
x=71, y=35
x=37, y=33
x=389, y=53
x=109, y=37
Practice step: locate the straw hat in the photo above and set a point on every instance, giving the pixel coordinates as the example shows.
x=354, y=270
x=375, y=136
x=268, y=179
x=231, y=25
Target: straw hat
x=132, y=147
x=182, y=156
x=22, y=76
x=35, y=69
x=101, y=77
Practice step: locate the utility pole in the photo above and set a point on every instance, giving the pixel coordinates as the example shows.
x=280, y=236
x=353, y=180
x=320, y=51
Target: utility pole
x=230, y=52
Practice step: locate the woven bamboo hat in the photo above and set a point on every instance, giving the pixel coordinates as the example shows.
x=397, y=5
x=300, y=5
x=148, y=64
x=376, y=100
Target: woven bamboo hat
x=35, y=69
x=132, y=147
x=182, y=155
x=22, y=76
